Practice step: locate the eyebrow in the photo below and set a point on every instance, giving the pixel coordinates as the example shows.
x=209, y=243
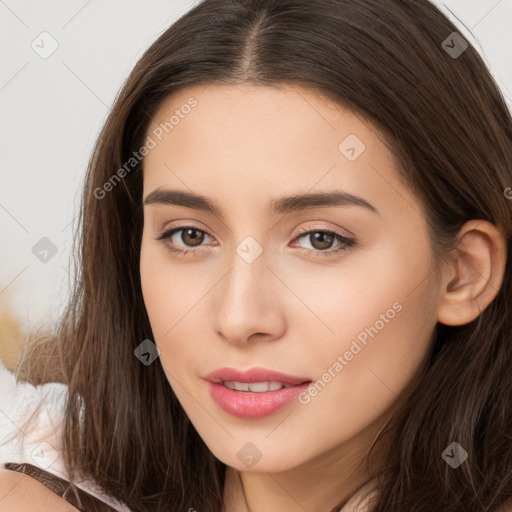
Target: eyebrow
x=278, y=206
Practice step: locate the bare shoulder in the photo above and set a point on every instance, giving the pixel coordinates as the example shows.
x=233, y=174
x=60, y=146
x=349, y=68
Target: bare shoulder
x=21, y=493
x=507, y=507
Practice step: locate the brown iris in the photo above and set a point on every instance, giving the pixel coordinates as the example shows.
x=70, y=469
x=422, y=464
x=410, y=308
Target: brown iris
x=325, y=240
x=192, y=237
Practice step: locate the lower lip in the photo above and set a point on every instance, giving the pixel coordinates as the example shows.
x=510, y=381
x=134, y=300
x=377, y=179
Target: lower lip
x=250, y=405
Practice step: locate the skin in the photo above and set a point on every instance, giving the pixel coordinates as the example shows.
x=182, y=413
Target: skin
x=289, y=311
x=21, y=493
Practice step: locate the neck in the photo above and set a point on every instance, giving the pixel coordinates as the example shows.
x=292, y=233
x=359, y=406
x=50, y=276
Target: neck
x=317, y=485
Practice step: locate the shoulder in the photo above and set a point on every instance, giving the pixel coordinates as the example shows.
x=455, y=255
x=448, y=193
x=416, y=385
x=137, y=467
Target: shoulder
x=506, y=507
x=21, y=492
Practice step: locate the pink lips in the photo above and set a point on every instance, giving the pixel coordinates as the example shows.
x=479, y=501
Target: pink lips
x=253, y=405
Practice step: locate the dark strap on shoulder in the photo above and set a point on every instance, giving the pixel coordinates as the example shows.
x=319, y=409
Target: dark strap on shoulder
x=77, y=497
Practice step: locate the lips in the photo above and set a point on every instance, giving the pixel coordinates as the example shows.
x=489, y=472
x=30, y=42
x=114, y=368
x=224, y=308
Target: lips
x=254, y=393
x=253, y=375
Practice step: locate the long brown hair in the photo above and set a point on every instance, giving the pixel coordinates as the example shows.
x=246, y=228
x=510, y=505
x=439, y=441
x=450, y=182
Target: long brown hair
x=450, y=131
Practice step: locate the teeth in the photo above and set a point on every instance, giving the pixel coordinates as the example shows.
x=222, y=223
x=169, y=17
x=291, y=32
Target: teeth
x=255, y=387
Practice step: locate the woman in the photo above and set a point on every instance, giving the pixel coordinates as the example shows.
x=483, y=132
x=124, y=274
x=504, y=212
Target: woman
x=293, y=285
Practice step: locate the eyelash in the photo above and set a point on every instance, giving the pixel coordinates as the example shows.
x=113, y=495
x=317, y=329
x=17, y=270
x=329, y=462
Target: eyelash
x=345, y=243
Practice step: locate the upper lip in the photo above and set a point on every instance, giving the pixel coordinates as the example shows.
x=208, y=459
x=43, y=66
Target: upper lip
x=253, y=375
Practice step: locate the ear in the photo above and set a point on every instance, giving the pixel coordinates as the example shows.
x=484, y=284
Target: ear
x=473, y=279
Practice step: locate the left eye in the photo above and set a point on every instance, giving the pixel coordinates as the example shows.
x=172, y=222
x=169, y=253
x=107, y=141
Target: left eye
x=193, y=237
x=323, y=240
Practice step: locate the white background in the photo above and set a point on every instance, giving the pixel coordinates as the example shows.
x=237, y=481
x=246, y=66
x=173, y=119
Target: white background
x=52, y=110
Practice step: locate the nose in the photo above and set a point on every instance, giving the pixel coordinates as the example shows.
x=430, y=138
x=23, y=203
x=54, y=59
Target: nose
x=247, y=303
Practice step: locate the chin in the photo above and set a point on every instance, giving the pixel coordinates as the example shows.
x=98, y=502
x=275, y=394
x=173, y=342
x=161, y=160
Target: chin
x=249, y=459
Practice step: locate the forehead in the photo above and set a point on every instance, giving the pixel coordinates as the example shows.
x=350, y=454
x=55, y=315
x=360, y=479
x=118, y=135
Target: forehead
x=281, y=140
x=227, y=110
x=253, y=113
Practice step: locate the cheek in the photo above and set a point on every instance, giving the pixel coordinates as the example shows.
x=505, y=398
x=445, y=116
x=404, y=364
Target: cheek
x=159, y=290
x=342, y=300
x=162, y=303
x=378, y=316
x=155, y=289
x=172, y=297
x=166, y=289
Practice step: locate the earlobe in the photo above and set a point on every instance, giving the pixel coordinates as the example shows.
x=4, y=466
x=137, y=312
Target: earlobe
x=474, y=278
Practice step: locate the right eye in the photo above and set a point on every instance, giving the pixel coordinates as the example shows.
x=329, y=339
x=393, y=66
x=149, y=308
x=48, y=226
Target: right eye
x=190, y=236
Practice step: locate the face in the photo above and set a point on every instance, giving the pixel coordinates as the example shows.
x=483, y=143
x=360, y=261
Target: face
x=336, y=292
